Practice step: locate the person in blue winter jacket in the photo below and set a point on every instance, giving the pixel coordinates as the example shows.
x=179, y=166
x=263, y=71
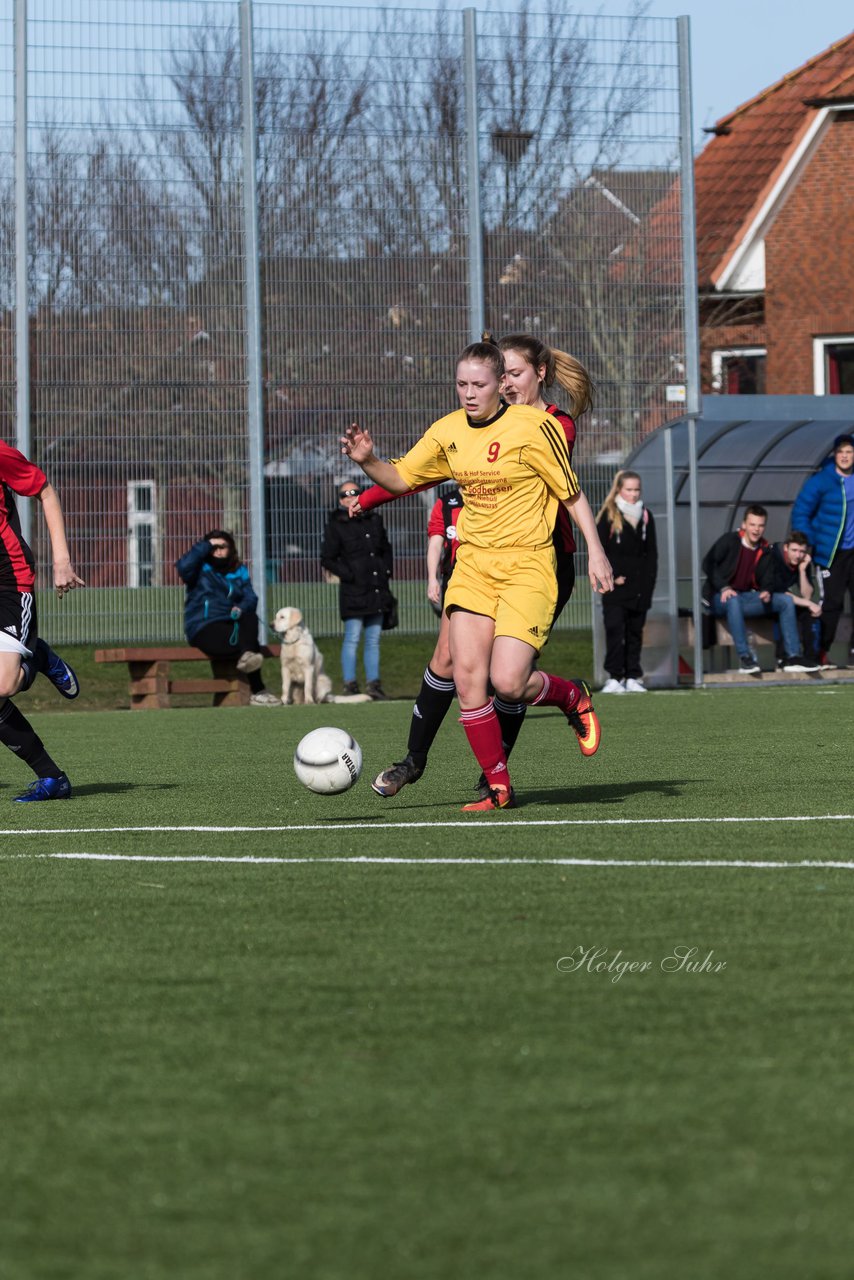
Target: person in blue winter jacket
x=220, y=610
x=824, y=511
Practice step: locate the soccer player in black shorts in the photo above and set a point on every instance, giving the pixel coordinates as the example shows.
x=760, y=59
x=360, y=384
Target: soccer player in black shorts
x=23, y=655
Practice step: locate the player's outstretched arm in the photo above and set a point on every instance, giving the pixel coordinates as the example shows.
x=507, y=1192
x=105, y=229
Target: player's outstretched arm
x=64, y=577
x=377, y=496
x=358, y=446
x=599, y=569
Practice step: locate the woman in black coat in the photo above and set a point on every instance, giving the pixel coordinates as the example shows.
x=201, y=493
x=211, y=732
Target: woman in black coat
x=627, y=531
x=358, y=552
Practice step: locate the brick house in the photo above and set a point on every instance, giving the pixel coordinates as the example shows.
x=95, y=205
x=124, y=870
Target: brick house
x=775, y=236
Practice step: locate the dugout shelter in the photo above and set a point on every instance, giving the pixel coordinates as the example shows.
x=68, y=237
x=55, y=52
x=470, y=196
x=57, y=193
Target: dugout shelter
x=750, y=449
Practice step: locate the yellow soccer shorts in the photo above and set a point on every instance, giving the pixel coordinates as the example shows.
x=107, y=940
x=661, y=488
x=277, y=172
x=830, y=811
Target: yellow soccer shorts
x=516, y=587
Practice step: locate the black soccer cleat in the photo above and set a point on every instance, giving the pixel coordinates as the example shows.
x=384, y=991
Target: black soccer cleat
x=396, y=777
x=482, y=788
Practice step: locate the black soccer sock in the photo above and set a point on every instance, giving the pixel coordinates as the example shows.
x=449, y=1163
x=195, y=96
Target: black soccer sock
x=36, y=663
x=511, y=716
x=256, y=684
x=30, y=670
x=431, y=706
x=18, y=735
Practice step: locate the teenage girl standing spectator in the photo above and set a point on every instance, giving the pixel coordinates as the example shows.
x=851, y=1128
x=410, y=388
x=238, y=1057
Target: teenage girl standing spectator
x=220, y=610
x=627, y=531
x=359, y=553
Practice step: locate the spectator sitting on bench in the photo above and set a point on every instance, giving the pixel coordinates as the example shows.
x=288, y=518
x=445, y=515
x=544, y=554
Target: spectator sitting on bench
x=740, y=584
x=791, y=562
x=220, y=615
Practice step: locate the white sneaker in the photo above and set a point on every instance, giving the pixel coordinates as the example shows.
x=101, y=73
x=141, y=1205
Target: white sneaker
x=264, y=699
x=612, y=686
x=635, y=686
x=249, y=661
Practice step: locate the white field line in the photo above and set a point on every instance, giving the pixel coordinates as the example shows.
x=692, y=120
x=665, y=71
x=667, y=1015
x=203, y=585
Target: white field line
x=466, y=824
x=711, y=863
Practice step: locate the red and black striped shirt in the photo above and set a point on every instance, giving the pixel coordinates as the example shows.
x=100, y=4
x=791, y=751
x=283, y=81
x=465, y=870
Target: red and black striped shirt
x=564, y=538
x=17, y=475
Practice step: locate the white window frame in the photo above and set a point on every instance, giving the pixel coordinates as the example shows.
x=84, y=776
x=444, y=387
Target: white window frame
x=142, y=519
x=725, y=353
x=819, y=359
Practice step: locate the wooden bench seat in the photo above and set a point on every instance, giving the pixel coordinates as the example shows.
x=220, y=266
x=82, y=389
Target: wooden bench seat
x=721, y=654
x=151, y=683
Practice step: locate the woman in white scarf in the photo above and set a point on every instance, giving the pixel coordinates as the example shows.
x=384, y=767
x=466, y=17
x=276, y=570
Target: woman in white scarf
x=627, y=531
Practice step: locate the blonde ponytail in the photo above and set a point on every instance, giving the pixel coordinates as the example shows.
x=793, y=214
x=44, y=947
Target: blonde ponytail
x=575, y=380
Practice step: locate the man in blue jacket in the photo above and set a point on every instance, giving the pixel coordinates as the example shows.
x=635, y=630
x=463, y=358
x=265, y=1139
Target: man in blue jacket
x=824, y=510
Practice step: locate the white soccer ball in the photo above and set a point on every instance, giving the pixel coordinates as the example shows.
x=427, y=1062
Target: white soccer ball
x=328, y=761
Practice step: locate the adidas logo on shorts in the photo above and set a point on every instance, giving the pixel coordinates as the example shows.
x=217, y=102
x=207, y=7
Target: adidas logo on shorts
x=533, y=631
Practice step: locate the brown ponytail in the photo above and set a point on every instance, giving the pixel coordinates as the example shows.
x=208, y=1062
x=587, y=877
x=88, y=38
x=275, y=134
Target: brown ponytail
x=559, y=367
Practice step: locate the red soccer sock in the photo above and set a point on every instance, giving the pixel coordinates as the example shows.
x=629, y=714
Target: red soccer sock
x=557, y=692
x=483, y=731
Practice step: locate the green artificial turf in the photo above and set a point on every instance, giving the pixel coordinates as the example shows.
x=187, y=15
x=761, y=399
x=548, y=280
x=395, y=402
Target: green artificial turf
x=323, y=1069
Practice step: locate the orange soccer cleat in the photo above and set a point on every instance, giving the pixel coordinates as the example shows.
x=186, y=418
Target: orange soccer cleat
x=584, y=720
x=498, y=798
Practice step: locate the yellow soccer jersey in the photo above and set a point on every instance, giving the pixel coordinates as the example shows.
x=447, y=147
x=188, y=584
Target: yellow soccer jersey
x=512, y=470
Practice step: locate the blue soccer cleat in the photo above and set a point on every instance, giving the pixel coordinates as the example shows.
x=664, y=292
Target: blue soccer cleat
x=61, y=676
x=46, y=789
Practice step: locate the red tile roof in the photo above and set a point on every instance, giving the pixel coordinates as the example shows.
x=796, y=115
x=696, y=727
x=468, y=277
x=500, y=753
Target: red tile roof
x=735, y=171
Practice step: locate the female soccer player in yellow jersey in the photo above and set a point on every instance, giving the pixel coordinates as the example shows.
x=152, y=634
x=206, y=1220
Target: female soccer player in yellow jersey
x=512, y=465
x=530, y=369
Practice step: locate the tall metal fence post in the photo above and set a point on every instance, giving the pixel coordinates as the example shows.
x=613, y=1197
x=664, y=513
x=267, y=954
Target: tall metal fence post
x=252, y=305
x=476, y=309
x=692, y=321
x=672, y=580
x=22, y=302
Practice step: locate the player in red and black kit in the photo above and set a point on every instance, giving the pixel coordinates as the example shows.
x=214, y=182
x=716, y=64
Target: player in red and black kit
x=22, y=654
x=442, y=545
x=530, y=367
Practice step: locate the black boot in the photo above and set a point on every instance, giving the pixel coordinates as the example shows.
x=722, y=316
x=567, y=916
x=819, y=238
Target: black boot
x=351, y=686
x=375, y=691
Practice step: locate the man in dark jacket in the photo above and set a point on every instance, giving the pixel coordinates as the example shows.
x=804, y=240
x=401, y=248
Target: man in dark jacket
x=791, y=561
x=358, y=552
x=740, y=584
x=824, y=511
